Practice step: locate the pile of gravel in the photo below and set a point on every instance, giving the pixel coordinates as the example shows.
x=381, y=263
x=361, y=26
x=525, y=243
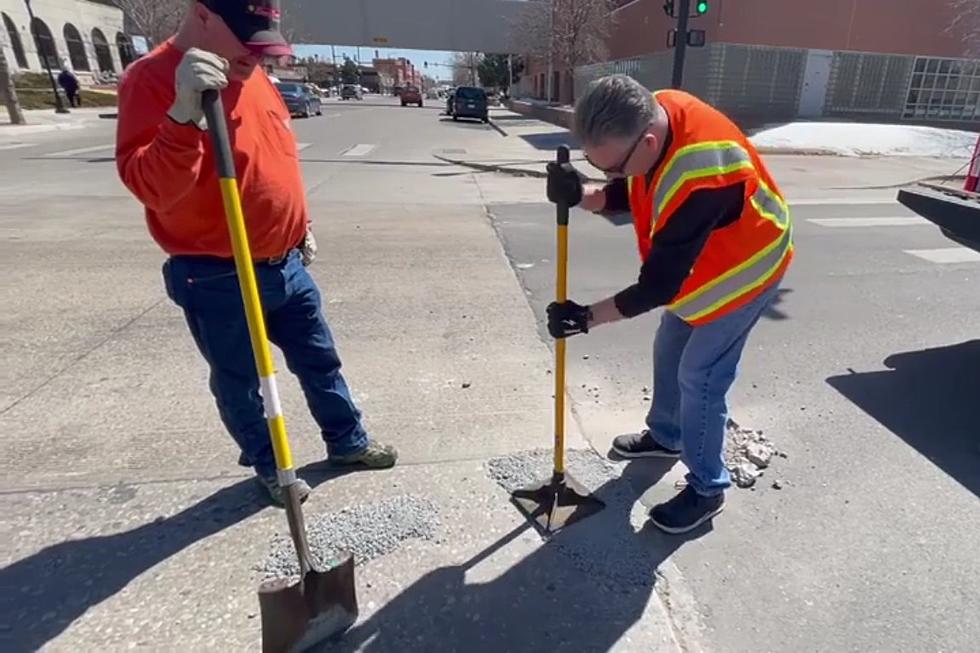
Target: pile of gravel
x=608, y=546
x=368, y=531
x=521, y=469
x=747, y=453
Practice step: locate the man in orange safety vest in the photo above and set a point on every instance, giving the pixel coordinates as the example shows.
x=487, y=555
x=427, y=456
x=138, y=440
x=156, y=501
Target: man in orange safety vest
x=715, y=240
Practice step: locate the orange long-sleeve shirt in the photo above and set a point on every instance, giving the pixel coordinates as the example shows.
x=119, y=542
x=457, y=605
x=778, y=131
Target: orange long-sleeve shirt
x=170, y=168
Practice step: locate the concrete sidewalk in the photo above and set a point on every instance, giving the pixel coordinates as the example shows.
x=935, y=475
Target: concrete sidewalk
x=40, y=121
x=128, y=523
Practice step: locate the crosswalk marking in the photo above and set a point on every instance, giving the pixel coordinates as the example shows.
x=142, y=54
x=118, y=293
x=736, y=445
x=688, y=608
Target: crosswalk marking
x=361, y=149
x=946, y=255
x=80, y=150
x=870, y=222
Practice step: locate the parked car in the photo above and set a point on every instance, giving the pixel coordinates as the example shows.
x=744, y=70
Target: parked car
x=300, y=100
x=469, y=102
x=411, y=95
x=351, y=92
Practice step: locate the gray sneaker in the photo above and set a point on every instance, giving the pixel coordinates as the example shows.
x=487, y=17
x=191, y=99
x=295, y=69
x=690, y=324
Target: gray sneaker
x=374, y=456
x=278, y=495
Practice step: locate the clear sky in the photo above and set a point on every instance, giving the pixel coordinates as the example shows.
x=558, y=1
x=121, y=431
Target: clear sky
x=417, y=57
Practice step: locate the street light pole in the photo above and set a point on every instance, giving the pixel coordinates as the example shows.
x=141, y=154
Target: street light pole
x=59, y=107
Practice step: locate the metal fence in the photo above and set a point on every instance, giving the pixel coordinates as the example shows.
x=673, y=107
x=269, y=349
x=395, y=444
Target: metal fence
x=763, y=84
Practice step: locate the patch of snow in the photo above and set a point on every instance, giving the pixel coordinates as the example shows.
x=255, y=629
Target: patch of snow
x=859, y=139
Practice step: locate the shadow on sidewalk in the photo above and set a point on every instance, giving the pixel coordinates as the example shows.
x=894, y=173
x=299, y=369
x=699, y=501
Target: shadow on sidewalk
x=929, y=399
x=582, y=590
x=42, y=594
x=551, y=140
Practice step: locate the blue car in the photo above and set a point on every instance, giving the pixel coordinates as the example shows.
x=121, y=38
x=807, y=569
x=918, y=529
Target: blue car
x=300, y=100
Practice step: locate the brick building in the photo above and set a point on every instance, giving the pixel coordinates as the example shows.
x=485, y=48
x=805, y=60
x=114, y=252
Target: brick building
x=400, y=71
x=775, y=60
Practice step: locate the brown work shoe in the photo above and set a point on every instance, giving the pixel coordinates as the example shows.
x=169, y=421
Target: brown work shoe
x=278, y=495
x=374, y=456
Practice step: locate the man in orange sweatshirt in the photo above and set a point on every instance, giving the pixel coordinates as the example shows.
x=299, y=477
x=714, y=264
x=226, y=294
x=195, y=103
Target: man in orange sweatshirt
x=165, y=159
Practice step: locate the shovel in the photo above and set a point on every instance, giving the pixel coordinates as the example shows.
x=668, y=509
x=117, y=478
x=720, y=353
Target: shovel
x=560, y=501
x=295, y=614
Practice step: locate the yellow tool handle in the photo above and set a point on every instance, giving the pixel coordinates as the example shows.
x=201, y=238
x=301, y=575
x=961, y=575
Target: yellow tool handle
x=561, y=285
x=218, y=130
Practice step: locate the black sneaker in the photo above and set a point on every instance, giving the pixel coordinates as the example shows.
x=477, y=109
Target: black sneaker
x=641, y=445
x=686, y=511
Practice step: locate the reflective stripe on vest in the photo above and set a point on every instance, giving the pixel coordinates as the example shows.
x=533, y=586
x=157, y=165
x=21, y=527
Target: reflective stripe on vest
x=770, y=205
x=736, y=282
x=706, y=159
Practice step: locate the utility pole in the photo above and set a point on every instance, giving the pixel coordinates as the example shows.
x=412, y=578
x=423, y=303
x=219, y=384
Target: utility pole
x=9, y=93
x=59, y=106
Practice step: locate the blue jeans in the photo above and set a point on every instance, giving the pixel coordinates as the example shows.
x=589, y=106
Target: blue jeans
x=693, y=370
x=207, y=290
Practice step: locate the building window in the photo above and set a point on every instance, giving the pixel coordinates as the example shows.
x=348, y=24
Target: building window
x=76, y=48
x=944, y=89
x=15, y=42
x=103, y=55
x=126, y=53
x=47, y=51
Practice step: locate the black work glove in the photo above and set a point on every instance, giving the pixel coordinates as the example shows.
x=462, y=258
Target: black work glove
x=564, y=184
x=568, y=319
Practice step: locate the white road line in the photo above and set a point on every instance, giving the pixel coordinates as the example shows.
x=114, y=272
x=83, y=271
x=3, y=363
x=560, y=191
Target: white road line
x=15, y=146
x=81, y=150
x=361, y=149
x=870, y=222
x=302, y=146
x=946, y=255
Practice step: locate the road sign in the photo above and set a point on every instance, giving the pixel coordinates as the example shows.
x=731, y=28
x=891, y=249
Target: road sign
x=380, y=40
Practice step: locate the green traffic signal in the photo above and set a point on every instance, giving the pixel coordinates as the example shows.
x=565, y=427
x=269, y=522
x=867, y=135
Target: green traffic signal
x=701, y=7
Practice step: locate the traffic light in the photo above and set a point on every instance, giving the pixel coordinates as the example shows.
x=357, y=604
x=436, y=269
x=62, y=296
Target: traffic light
x=700, y=7
x=669, y=8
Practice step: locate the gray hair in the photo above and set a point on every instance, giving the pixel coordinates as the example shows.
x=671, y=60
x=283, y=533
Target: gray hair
x=616, y=106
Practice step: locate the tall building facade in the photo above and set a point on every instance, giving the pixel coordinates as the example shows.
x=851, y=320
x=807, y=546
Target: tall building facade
x=87, y=37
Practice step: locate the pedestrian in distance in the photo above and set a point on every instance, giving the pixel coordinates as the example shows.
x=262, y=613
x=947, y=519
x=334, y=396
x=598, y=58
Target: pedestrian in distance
x=165, y=159
x=715, y=241
x=69, y=82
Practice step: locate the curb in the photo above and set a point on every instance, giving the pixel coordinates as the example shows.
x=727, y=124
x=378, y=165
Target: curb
x=512, y=170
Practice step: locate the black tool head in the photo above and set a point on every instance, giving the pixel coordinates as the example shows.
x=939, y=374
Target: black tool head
x=556, y=503
x=298, y=615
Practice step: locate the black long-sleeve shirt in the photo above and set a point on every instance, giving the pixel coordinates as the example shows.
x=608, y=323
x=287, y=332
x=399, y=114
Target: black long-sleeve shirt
x=677, y=245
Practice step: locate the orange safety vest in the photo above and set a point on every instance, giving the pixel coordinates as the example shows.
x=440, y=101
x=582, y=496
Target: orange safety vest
x=738, y=261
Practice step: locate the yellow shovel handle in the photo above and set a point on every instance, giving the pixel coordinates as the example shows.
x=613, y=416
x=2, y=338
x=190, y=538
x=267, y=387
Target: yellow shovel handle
x=218, y=130
x=561, y=296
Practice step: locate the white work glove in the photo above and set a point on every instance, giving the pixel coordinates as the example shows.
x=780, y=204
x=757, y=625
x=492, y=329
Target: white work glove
x=308, y=249
x=198, y=71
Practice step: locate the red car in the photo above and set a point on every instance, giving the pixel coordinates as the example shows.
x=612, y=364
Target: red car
x=411, y=95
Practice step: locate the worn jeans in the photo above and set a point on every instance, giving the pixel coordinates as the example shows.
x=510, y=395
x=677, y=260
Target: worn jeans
x=693, y=370
x=207, y=290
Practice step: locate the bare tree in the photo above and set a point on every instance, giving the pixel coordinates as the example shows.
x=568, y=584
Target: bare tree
x=966, y=24
x=565, y=33
x=155, y=19
x=465, y=65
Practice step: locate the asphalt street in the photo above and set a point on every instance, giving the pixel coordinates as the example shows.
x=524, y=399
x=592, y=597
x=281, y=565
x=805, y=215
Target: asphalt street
x=126, y=521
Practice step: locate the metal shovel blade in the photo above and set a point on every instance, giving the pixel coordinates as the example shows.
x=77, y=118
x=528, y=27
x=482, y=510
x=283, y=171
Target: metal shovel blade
x=556, y=503
x=301, y=614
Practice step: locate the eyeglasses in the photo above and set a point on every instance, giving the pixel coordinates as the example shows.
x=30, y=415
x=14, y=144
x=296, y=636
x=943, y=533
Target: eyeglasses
x=618, y=170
